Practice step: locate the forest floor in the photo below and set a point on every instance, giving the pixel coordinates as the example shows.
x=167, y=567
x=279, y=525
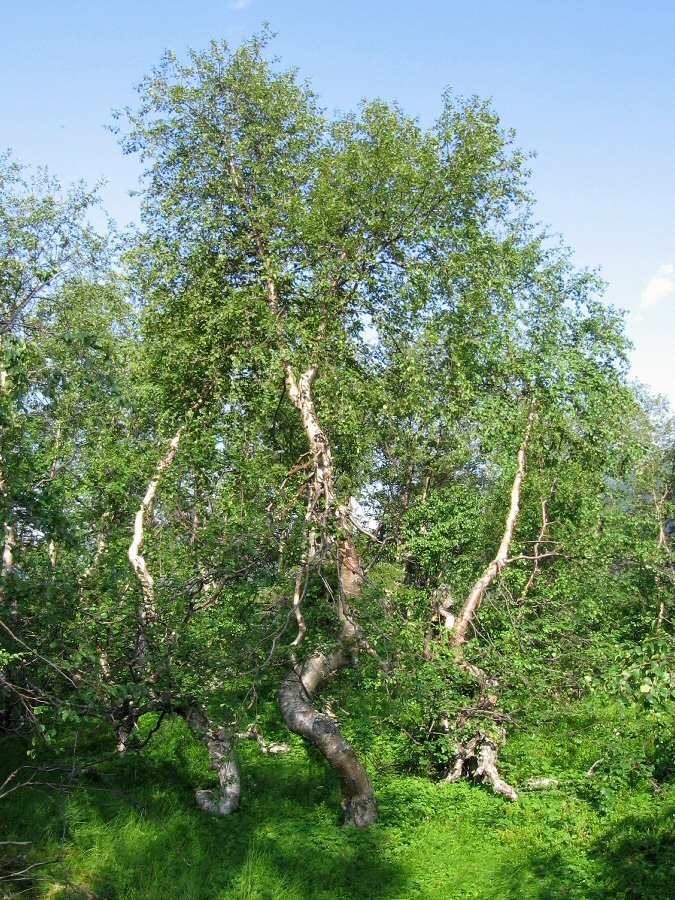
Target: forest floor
x=129, y=829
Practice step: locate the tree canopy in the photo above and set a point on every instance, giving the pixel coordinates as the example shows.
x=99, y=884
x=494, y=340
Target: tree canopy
x=340, y=442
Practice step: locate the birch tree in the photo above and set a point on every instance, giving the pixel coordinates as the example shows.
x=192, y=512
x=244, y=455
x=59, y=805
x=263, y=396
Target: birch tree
x=350, y=426
x=273, y=238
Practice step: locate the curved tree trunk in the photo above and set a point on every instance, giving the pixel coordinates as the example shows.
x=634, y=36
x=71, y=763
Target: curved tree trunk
x=218, y=741
x=298, y=689
x=296, y=703
x=477, y=756
x=297, y=692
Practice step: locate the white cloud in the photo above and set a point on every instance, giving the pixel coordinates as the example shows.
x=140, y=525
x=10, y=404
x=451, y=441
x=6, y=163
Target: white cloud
x=660, y=286
x=238, y=4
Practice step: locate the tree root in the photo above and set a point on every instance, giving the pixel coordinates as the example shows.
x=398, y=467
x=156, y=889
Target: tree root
x=476, y=758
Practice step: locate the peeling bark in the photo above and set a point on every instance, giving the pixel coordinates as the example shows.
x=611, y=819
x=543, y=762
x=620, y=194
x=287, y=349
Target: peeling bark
x=297, y=601
x=296, y=697
x=297, y=692
x=218, y=741
x=477, y=759
x=126, y=737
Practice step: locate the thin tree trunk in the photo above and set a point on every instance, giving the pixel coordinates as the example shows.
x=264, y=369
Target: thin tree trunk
x=476, y=593
x=100, y=547
x=537, y=546
x=8, y=530
x=135, y=557
x=7, y=552
x=7, y=566
x=477, y=756
x=52, y=550
x=663, y=543
x=218, y=740
x=147, y=612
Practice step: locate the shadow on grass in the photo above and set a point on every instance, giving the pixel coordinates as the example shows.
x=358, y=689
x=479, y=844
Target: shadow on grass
x=637, y=857
x=133, y=831
x=633, y=859
x=144, y=837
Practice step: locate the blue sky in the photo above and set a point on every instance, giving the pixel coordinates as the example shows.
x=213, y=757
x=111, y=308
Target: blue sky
x=587, y=84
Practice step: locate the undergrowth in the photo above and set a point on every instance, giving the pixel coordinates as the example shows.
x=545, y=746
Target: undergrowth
x=129, y=828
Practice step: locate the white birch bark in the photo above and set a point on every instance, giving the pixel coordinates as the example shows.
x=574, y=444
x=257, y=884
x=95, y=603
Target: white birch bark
x=145, y=509
x=473, y=599
x=297, y=692
x=477, y=757
x=148, y=612
x=9, y=540
x=218, y=742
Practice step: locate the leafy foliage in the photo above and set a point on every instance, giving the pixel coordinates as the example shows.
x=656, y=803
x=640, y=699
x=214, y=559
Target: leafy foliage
x=464, y=375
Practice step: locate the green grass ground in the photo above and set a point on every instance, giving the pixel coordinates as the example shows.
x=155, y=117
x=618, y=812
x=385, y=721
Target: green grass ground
x=130, y=830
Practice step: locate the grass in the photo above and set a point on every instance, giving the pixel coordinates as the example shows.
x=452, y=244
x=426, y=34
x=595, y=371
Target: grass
x=130, y=829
